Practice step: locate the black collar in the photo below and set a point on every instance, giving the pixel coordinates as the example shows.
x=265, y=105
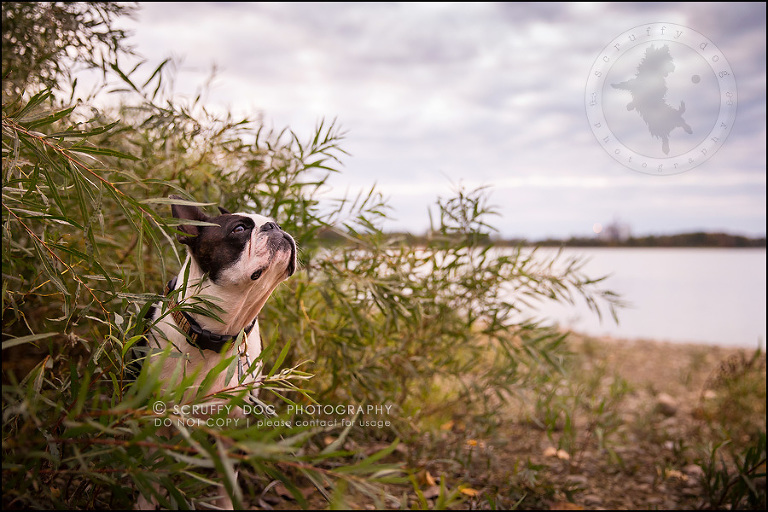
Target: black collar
x=196, y=335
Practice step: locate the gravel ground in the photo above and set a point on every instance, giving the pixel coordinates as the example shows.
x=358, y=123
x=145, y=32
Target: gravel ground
x=661, y=421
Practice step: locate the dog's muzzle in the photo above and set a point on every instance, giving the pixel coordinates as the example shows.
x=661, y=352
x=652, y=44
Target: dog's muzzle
x=277, y=241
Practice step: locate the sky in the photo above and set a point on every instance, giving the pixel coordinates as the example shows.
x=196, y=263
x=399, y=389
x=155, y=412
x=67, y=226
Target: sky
x=433, y=96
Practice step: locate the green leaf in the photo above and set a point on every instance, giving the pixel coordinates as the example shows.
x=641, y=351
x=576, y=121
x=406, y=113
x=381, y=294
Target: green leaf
x=170, y=201
x=33, y=102
x=101, y=152
x=82, y=134
x=49, y=119
x=280, y=358
x=26, y=339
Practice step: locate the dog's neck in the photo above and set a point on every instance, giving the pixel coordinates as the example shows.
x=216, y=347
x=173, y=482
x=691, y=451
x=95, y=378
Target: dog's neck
x=240, y=304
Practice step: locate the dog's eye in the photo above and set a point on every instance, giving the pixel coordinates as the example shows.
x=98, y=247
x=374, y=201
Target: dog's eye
x=239, y=229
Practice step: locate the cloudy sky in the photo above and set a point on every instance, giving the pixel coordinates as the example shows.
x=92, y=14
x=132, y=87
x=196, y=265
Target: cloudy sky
x=433, y=95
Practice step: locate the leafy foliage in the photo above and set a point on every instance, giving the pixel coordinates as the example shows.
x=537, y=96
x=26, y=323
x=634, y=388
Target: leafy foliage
x=737, y=485
x=42, y=41
x=88, y=244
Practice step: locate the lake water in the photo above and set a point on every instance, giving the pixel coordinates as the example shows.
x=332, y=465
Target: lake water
x=711, y=296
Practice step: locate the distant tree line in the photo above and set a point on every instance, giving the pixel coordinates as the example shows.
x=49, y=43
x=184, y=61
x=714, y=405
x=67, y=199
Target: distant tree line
x=698, y=239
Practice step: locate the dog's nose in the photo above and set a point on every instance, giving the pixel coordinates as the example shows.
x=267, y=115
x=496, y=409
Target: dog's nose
x=269, y=226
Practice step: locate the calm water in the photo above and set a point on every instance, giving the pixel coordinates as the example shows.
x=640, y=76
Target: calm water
x=713, y=296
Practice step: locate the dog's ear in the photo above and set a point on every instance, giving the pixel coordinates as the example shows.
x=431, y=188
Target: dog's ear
x=187, y=212
x=224, y=211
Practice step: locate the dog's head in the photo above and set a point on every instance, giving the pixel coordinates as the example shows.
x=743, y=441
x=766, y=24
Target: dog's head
x=239, y=248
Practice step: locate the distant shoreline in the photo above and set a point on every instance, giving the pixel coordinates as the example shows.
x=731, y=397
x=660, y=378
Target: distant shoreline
x=712, y=240
x=692, y=240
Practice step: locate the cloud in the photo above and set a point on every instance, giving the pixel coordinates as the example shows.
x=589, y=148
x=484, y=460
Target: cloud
x=481, y=93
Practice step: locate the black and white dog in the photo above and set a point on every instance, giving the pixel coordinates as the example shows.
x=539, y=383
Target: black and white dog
x=236, y=262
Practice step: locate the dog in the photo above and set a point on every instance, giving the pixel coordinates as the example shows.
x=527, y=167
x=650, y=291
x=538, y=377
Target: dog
x=235, y=262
